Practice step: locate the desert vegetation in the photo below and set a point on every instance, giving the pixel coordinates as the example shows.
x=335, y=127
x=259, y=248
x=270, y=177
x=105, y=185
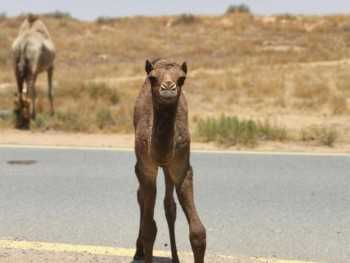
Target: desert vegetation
x=241, y=8
x=228, y=131
x=288, y=71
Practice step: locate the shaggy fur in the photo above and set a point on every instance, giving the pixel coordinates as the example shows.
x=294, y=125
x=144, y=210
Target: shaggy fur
x=162, y=139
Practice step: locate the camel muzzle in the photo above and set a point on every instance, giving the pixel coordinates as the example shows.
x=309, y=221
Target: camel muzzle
x=168, y=91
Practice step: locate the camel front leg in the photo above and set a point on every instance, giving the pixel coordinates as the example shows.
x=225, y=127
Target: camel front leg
x=170, y=213
x=184, y=190
x=147, y=198
x=50, y=95
x=149, y=229
x=139, y=254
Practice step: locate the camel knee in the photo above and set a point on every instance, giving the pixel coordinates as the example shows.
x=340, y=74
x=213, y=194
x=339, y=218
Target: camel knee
x=138, y=172
x=198, y=237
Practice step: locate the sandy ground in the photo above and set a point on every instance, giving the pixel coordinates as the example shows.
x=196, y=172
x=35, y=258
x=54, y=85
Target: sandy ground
x=126, y=141
x=33, y=256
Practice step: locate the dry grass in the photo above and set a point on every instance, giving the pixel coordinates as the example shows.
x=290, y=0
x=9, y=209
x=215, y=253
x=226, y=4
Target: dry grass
x=311, y=90
x=242, y=65
x=221, y=42
x=343, y=81
x=320, y=134
x=339, y=105
x=84, y=107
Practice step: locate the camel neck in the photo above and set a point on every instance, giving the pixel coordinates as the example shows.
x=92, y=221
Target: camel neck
x=163, y=132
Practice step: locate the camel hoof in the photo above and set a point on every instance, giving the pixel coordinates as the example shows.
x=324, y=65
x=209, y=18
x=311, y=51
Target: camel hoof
x=139, y=257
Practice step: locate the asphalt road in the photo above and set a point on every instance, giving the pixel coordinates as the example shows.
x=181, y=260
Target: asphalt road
x=284, y=206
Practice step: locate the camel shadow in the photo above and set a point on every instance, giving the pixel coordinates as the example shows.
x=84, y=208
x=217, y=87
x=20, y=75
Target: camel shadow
x=155, y=260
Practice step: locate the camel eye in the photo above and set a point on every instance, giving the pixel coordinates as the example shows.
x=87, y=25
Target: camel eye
x=153, y=80
x=181, y=81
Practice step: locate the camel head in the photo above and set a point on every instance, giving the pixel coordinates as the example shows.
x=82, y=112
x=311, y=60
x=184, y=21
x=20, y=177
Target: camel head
x=32, y=18
x=166, y=80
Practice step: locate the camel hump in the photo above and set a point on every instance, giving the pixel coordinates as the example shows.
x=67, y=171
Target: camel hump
x=33, y=24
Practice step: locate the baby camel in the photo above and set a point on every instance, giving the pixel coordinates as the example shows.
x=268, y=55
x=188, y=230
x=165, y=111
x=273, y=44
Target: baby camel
x=162, y=139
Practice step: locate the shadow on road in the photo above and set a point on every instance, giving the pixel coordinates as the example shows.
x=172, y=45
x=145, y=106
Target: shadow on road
x=155, y=260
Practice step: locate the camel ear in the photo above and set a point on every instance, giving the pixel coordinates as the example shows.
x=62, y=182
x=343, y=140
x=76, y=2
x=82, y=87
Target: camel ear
x=184, y=67
x=148, y=67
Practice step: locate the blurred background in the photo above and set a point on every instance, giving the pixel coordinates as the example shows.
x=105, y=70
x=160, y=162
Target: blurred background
x=90, y=11
x=260, y=72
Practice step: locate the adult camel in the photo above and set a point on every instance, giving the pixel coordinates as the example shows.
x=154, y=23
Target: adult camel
x=33, y=53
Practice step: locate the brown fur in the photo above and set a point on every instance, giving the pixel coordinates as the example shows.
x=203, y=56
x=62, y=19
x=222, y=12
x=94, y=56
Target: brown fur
x=33, y=53
x=162, y=139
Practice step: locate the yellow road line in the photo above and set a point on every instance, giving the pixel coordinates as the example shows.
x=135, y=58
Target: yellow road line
x=59, y=247
x=269, y=260
x=108, y=251
x=126, y=149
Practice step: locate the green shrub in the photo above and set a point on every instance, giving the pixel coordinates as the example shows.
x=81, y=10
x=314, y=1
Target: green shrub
x=58, y=15
x=185, y=19
x=41, y=121
x=114, y=98
x=230, y=131
x=7, y=118
x=3, y=16
x=103, y=20
x=70, y=121
x=286, y=16
x=100, y=90
x=242, y=8
x=272, y=133
x=104, y=118
x=323, y=135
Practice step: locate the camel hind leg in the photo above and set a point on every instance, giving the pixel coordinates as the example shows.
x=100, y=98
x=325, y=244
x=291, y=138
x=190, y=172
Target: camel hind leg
x=50, y=95
x=20, y=82
x=170, y=213
x=21, y=104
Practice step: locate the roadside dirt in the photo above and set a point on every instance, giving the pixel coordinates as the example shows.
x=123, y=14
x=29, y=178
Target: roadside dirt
x=126, y=141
